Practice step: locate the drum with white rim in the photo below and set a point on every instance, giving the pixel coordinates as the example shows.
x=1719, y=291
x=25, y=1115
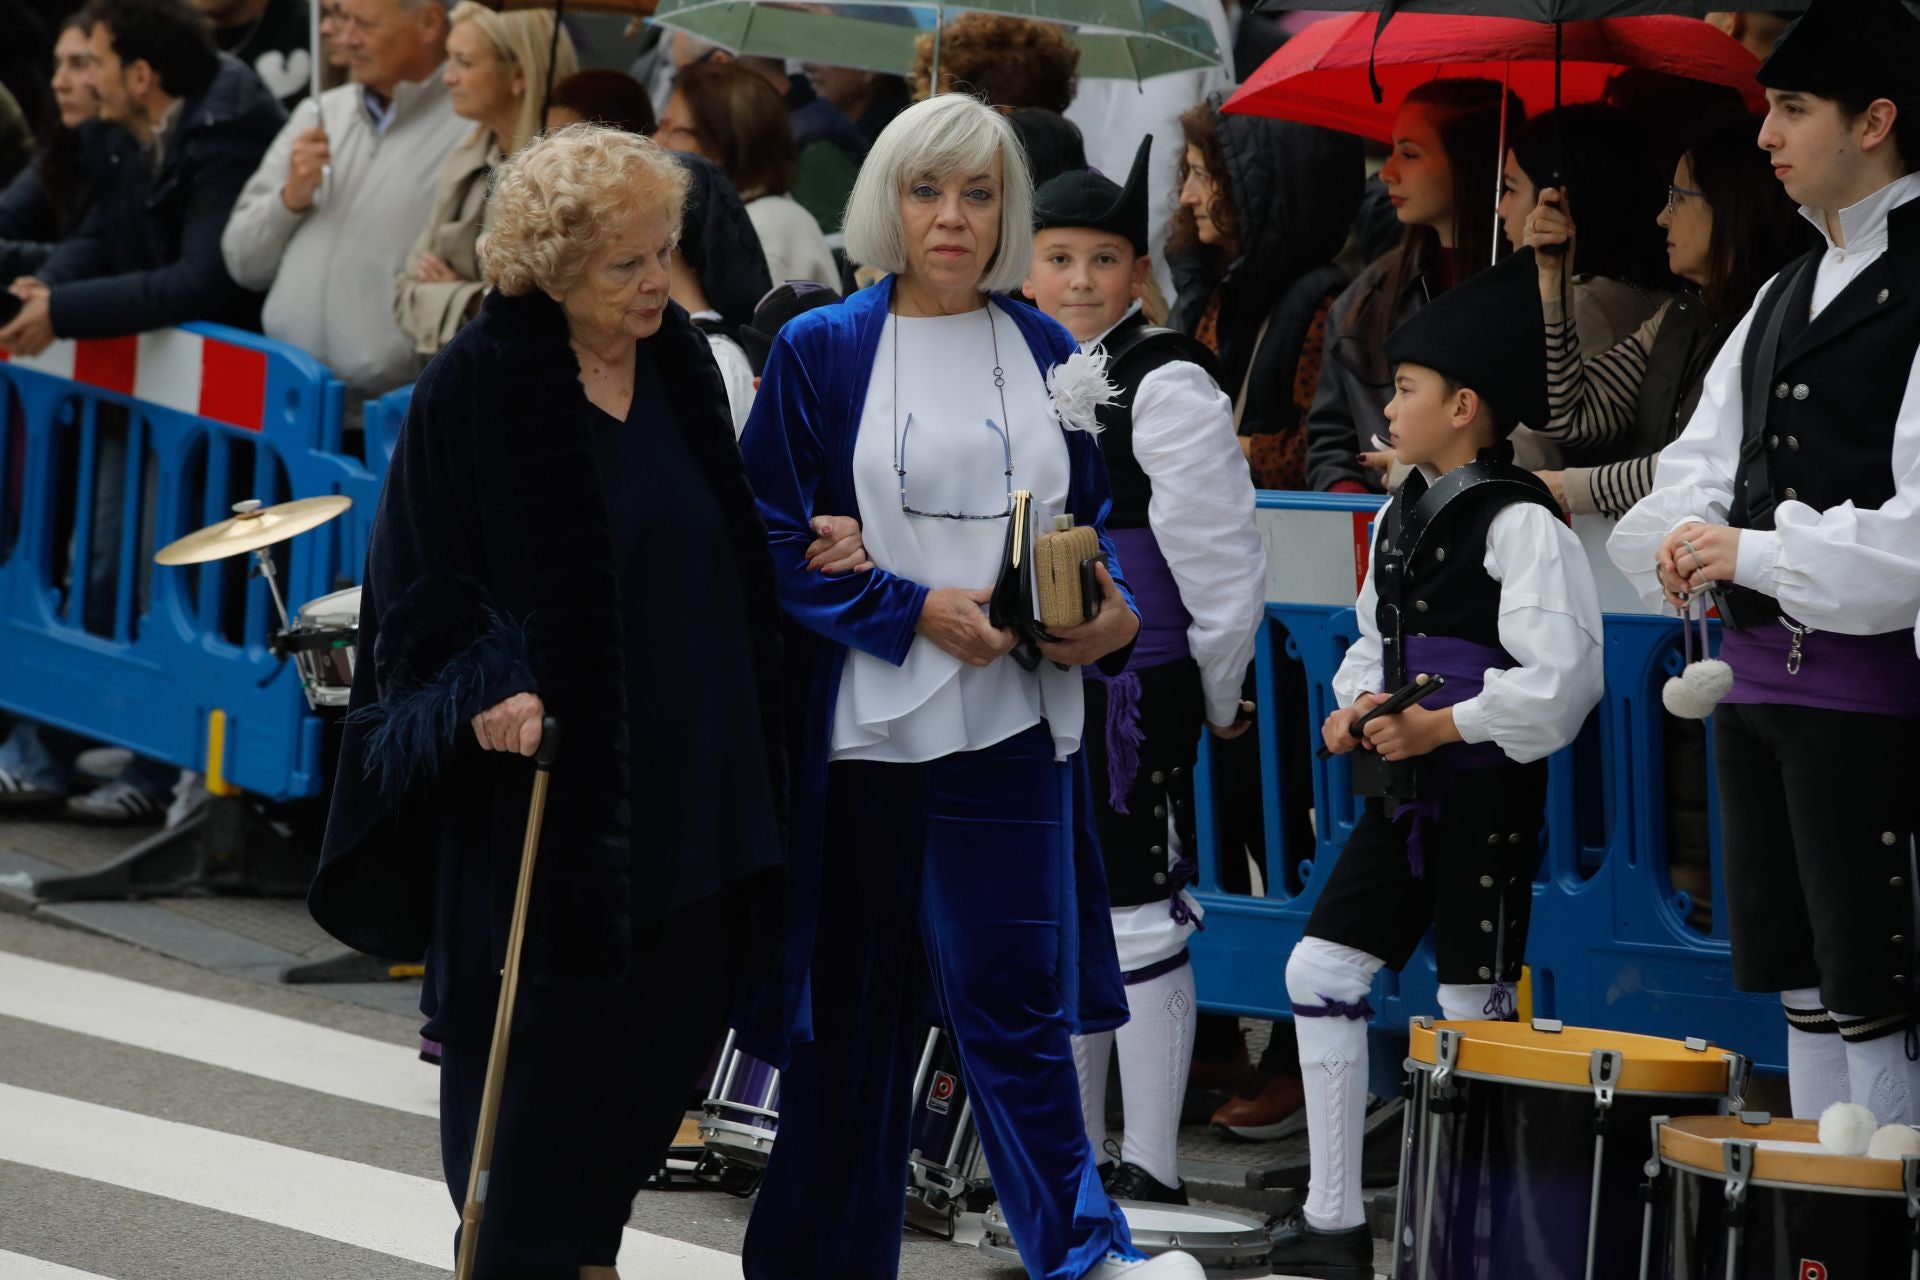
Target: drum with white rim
x=1749, y=1197
x=323, y=641
x=1227, y=1245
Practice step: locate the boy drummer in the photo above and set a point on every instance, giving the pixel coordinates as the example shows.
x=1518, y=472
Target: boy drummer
x=1474, y=577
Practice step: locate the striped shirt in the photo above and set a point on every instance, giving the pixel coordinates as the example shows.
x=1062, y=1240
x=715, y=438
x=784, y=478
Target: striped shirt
x=1592, y=403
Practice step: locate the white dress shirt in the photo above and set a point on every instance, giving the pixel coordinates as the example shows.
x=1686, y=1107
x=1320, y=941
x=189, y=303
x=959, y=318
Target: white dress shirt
x=1849, y=570
x=1202, y=515
x=1549, y=622
x=933, y=704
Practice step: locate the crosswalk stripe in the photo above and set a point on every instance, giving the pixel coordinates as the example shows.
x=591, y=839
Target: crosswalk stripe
x=267, y=1045
x=357, y=1204
x=18, y=1266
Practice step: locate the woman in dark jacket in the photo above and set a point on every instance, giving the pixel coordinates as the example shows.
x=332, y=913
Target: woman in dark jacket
x=1440, y=177
x=1264, y=207
x=513, y=574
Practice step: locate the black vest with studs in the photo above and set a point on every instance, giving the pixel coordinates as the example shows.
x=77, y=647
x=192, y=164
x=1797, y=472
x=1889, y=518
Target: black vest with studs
x=1135, y=349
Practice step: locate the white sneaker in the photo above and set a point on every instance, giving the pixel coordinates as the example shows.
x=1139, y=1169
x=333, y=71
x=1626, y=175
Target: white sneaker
x=1168, y=1266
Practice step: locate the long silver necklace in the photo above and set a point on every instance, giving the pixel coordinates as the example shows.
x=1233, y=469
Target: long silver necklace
x=1000, y=388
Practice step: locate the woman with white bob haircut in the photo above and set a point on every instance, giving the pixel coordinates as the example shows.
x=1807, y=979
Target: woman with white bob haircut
x=514, y=574
x=940, y=842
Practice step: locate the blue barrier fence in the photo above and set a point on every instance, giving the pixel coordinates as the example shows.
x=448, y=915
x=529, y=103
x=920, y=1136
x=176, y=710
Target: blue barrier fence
x=108, y=451
x=1613, y=943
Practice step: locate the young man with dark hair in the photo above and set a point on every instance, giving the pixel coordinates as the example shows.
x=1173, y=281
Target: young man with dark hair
x=1794, y=498
x=148, y=253
x=1474, y=577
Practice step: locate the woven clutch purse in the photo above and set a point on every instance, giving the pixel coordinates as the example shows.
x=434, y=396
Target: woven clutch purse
x=1063, y=575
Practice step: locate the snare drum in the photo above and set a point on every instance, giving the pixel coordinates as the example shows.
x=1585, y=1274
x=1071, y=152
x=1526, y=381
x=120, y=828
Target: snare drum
x=739, y=1122
x=1749, y=1197
x=944, y=1149
x=1524, y=1146
x=1227, y=1245
x=322, y=642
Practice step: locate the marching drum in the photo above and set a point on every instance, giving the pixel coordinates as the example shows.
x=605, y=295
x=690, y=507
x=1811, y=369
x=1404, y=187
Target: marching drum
x=1517, y=1135
x=1748, y=1197
x=738, y=1123
x=322, y=640
x=1228, y=1246
x=944, y=1151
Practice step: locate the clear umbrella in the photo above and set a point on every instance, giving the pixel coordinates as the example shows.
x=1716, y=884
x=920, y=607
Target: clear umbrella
x=1118, y=39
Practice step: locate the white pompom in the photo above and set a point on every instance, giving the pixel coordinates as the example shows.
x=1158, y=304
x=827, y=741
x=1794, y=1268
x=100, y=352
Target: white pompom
x=1893, y=1141
x=1697, y=690
x=1846, y=1129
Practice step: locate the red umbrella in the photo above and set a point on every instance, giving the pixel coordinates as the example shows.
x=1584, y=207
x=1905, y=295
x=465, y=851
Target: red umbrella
x=1321, y=76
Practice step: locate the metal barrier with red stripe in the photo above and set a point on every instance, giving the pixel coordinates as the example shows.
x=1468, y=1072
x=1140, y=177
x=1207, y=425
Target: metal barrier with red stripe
x=1614, y=942
x=112, y=448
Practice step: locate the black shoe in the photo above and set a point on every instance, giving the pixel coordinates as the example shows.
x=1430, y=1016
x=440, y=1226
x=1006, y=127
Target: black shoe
x=1301, y=1249
x=1131, y=1182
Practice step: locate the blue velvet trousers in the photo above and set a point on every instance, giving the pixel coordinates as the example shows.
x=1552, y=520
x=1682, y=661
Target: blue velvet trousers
x=961, y=868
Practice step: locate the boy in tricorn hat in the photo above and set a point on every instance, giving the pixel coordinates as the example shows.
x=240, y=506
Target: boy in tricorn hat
x=1475, y=578
x=1794, y=498
x=1183, y=522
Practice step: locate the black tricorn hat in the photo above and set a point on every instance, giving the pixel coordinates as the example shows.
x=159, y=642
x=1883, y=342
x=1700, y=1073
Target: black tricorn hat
x=1848, y=46
x=1088, y=198
x=1487, y=334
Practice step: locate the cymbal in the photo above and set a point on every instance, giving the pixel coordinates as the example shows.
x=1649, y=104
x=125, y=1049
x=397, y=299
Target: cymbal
x=253, y=527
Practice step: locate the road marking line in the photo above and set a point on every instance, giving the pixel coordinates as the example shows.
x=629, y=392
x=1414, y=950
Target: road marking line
x=356, y=1204
x=222, y=1035
x=18, y=1266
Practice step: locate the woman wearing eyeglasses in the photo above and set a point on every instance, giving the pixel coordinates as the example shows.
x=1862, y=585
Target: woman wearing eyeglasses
x=1729, y=229
x=941, y=833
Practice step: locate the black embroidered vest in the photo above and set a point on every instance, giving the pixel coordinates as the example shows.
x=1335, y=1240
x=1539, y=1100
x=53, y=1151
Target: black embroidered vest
x=1135, y=349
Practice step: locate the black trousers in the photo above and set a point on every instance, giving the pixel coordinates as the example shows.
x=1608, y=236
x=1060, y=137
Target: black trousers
x=1476, y=890
x=1817, y=814
x=590, y=1106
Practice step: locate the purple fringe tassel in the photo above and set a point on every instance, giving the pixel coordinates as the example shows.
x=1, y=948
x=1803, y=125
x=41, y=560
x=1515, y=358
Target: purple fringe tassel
x=1124, y=735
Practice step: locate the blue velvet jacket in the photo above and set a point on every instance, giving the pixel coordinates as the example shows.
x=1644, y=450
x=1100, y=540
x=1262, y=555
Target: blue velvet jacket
x=798, y=450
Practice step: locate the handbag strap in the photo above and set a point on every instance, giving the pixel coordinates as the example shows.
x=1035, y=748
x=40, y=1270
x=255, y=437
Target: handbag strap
x=1246, y=379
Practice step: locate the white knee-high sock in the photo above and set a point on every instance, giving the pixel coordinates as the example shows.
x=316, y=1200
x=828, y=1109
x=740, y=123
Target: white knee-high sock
x=1879, y=1077
x=1328, y=984
x=1469, y=1003
x=1816, y=1056
x=1090, y=1054
x=1156, y=1048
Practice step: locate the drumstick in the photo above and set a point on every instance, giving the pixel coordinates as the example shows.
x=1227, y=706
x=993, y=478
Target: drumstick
x=1415, y=691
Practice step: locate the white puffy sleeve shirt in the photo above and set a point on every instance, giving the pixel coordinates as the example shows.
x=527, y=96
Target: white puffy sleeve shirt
x=1549, y=622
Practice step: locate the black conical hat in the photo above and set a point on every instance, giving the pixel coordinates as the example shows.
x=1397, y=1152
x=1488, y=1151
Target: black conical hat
x=1488, y=334
x=1088, y=198
x=1848, y=46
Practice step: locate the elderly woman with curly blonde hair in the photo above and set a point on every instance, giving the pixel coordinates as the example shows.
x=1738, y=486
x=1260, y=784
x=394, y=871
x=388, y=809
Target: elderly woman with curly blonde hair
x=565, y=532
x=942, y=854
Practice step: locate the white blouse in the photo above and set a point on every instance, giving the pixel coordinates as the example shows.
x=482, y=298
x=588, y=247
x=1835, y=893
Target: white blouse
x=933, y=704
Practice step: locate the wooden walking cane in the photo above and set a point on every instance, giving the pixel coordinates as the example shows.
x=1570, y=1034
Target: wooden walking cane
x=475, y=1209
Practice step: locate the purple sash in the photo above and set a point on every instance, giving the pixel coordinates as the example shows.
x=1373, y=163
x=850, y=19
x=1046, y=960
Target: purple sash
x=1465, y=664
x=1163, y=639
x=1877, y=675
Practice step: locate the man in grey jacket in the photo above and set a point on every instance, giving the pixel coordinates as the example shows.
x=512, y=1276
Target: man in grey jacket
x=327, y=220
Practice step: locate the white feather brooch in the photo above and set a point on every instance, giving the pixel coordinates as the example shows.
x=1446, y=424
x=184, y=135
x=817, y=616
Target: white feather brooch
x=1079, y=387
x=1697, y=690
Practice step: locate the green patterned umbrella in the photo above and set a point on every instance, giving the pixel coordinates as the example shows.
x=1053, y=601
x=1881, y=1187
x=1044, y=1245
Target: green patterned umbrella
x=1117, y=39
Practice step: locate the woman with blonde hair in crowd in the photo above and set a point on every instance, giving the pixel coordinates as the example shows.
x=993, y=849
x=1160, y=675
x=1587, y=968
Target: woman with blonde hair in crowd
x=496, y=74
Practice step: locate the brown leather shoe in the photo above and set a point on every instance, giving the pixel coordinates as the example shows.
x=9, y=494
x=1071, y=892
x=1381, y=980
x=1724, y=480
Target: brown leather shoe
x=1276, y=1110
x=1235, y=1075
